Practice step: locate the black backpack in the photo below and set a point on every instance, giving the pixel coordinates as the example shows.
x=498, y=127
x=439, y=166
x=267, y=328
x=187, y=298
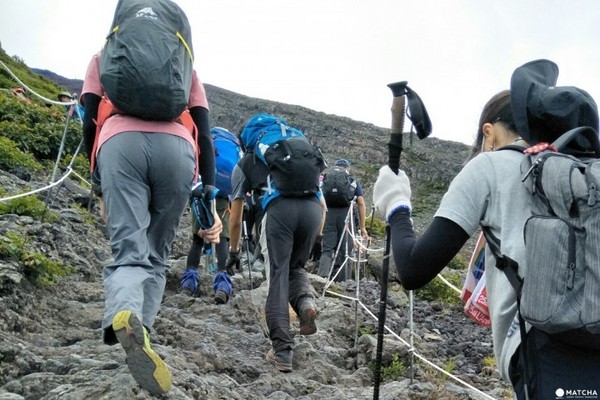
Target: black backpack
x=295, y=164
x=156, y=84
x=338, y=188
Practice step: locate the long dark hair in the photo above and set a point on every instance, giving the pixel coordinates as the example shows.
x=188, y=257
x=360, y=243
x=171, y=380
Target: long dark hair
x=497, y=109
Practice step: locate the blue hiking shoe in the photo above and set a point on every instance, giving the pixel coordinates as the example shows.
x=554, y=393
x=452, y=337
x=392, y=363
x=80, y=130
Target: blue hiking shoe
x=190, y=281
x=223, y=287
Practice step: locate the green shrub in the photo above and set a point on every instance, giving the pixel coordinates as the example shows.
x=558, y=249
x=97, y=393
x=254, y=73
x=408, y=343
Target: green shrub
x=12, y=157
x=458, y=263
x=27, y=205
x=376, y=228
x=35, y=128
x=11, y=246
x=81, y=166
x=37, y=268
x=437, y=290
x=393, y=371
x=42, y=271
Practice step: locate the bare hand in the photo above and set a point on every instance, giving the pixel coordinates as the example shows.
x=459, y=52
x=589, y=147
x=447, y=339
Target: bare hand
x=212, y=234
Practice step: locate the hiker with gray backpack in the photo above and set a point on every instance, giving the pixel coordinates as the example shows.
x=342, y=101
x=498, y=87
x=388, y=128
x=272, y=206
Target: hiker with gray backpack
x=285, y=166
x=538, y=208
x=146, y=117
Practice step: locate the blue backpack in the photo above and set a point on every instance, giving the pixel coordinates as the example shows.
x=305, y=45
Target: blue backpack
x=295, y=164
x=227, y=153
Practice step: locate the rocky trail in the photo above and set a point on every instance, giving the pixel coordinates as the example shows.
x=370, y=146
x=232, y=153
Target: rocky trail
x=51, y=348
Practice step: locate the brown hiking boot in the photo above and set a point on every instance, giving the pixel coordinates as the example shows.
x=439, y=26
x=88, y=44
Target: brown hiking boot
x=281, y=360
x=307, y=312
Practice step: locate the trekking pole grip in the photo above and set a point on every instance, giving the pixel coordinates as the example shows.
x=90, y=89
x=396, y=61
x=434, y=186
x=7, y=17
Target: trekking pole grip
x=398, y=116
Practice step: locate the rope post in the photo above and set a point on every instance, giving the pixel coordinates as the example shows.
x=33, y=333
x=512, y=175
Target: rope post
x=357, y=279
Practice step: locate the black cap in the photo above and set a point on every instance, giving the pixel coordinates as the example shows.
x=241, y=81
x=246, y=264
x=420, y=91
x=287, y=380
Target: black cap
x=543, y=111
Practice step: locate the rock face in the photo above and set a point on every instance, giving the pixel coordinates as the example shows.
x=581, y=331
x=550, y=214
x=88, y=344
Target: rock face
x=51, y=348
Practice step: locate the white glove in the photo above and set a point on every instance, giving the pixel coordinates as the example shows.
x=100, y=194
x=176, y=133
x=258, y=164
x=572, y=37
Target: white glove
x=391, y=191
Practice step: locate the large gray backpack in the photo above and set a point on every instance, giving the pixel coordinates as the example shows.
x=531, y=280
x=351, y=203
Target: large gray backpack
x=560, y=291
x=146, y=65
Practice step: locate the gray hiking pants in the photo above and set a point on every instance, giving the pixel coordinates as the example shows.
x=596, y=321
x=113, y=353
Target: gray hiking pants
x=146, y=180
x=335, y=223
x=292, y=226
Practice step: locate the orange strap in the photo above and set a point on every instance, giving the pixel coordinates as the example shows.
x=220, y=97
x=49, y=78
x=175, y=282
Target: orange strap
x=106, y=109
x=186, y=120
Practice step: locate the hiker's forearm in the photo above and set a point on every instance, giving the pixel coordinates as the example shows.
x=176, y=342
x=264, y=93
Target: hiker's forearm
x=419, y=261
x=362, y=212
x=205, y=144
x=235, y=224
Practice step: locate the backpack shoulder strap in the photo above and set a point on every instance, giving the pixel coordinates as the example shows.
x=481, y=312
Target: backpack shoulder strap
x=514, y=147
x=504, y=263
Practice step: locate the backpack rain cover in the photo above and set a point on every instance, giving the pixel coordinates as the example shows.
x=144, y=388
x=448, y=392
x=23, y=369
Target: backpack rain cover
x=227, y=154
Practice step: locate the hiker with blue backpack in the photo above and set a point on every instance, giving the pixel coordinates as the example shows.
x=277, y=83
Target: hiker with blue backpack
x=534, y=205
x=227, y=154
x=146, y=117
x=285, y=166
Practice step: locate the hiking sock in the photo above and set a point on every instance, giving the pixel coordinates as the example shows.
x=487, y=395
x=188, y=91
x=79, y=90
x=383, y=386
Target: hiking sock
x=146, y=367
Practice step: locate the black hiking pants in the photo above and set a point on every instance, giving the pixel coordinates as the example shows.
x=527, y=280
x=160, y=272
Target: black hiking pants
x=333, y=232
x=291, y=230
x=555, y=370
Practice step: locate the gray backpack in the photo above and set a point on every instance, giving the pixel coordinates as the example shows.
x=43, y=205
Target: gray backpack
x=560, y=293
x=146, y=65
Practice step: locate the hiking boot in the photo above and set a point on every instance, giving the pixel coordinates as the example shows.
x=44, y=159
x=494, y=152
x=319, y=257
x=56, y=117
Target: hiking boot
x=307, y=312
x=146, y=367
x=281, y=360
x=221, y=297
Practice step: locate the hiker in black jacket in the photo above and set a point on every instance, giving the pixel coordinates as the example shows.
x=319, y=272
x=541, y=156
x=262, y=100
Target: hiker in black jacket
x=334, y=229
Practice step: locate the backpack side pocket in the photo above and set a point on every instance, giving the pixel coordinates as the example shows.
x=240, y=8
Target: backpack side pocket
x=553, y=284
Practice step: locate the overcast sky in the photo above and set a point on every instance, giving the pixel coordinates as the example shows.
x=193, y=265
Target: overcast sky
x=337, y=56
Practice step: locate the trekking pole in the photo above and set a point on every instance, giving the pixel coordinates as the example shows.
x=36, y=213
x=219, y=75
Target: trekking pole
x=247, y=240
x=394, y=150
x=420, y=120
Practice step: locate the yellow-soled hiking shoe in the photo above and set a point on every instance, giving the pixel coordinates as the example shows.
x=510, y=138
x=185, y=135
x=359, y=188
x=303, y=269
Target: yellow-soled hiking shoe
x=146, y=367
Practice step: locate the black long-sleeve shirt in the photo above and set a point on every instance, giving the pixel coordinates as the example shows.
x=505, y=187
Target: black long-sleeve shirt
x=418, y=261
